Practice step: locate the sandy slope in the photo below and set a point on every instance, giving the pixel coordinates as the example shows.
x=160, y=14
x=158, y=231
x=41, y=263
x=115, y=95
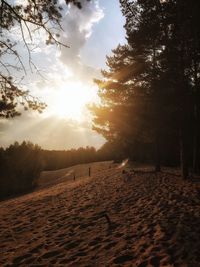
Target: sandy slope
x=49, y=178
x=155, y=221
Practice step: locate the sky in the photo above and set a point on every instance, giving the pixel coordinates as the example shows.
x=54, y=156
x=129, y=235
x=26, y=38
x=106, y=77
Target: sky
x=65, y=81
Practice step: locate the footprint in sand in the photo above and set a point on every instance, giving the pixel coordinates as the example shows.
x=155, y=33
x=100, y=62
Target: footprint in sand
x=37, y=248
x=51, y=254
x=110, y=245
x=143, y=264
x=122, y=259
x=72, y=244
x=155, y=261
x=22, y=258
x=95, y=241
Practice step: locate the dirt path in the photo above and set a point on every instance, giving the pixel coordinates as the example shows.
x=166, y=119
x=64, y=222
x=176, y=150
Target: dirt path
x=155, y=221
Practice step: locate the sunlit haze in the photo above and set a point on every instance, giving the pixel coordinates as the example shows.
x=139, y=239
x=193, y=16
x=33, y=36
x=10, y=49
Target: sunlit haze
x=71, y=102
x=65, y=80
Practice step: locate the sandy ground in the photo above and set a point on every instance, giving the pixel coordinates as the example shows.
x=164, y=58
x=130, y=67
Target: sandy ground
x=110, y=219
x=80, y=171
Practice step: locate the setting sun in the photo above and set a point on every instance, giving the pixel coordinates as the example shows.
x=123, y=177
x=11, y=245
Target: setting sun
x=70, y=101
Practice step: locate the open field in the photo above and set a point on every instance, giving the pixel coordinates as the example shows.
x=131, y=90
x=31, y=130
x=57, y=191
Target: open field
x=136, y=218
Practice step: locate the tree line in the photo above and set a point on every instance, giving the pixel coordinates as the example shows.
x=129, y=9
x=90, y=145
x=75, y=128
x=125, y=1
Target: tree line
x=21, y=164
x=150, y=90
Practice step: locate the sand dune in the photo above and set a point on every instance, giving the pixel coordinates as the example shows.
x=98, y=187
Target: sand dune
x=49, y=178
x=138, y=218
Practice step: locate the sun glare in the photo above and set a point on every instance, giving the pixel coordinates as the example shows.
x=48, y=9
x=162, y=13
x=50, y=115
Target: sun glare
x=70, y=102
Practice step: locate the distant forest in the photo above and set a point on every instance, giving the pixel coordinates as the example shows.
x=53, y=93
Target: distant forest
x=21, y=164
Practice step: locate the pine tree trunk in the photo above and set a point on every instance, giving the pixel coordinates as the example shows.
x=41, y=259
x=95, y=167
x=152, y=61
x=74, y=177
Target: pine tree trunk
x=195, y=150
x=157, y=154
x=184, y=155
x=196, y=120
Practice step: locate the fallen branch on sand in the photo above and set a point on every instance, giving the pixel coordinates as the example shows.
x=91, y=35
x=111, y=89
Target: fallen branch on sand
x=103, y=214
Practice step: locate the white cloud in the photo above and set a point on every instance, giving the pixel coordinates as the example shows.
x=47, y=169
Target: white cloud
x=77, y=25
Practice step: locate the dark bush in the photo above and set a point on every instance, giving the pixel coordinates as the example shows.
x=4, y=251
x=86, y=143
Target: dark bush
x=20, y=166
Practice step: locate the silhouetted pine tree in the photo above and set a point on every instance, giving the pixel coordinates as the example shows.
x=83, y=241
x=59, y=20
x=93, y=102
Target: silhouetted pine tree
x=152, y=84
x=131, y=99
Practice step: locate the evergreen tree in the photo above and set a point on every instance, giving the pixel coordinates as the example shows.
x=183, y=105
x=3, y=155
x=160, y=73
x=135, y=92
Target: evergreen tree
x=159, y=94
x=130, y=88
